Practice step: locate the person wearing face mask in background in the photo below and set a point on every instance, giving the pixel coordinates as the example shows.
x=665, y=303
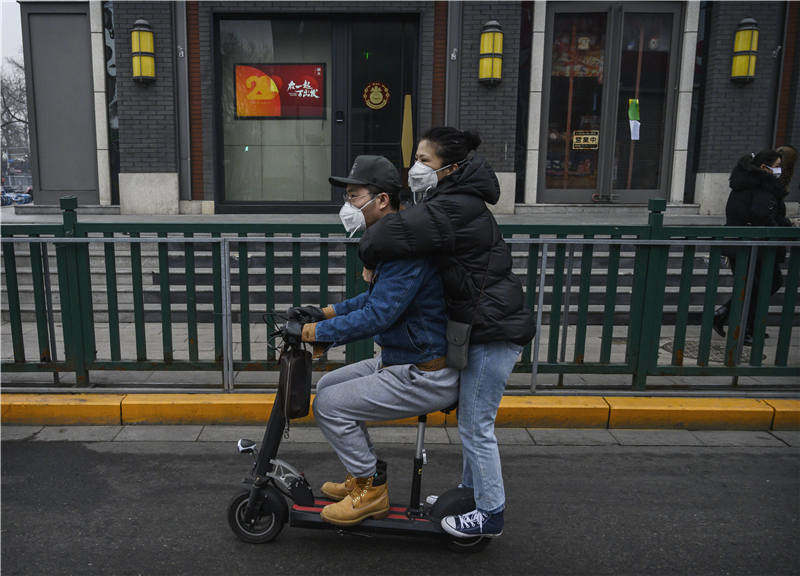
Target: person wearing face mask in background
x=756, y=199
x=452, y=224
x=404, y=309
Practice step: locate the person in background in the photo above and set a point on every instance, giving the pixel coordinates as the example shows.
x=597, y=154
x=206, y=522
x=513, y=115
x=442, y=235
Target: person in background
x=756, y=199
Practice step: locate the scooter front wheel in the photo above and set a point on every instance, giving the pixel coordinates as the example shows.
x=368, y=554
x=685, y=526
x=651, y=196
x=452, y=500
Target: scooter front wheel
x=266, y=526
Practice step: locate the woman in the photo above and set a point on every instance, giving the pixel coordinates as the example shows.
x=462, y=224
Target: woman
x=453, y=225
x=756, y=199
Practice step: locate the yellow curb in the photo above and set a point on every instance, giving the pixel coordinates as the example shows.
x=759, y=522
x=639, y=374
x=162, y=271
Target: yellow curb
x=787, y=413
x=689, y=413
x=196, y=408
x=553, y=412
x=222, y=409
x=65, y=409
x=514, y=411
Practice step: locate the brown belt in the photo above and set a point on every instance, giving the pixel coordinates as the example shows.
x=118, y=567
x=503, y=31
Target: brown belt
x=433, y=365
x=428, y=366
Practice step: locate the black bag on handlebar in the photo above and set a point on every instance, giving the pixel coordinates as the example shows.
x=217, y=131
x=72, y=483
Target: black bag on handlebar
x=294, y=384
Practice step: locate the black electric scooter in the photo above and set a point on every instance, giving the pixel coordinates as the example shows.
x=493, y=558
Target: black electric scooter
x=259, y=513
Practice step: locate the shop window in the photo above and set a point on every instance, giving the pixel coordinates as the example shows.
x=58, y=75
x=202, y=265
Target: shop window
x=275, y=84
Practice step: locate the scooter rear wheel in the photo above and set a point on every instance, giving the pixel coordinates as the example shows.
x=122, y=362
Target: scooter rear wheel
x=267, y=525
x=468, y=545
x=453, y=502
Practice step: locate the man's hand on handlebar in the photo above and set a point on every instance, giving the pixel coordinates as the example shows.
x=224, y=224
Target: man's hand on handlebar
x=306, y=314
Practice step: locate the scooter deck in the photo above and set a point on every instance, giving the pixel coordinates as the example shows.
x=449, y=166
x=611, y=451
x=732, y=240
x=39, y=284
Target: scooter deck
x=396, y=522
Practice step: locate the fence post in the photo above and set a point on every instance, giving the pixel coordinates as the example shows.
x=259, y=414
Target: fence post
x=653, y=299
x=68, y=284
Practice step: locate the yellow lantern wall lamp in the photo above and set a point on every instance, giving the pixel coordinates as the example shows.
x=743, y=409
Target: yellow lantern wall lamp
x=490, y=67
x=745, y=48
x=143, y=57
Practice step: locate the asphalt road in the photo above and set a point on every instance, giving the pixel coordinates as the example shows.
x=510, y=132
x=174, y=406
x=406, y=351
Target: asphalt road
x=160, y=508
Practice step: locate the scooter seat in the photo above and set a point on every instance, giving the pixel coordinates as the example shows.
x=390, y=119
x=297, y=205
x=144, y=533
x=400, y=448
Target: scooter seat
x=450, y=408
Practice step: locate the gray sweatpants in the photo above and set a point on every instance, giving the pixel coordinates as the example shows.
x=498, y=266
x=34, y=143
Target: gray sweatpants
x=361, y=392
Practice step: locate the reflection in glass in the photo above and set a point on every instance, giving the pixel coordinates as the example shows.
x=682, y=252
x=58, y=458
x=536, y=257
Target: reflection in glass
x=644, y=74
x=269, y=160
x=576, y=88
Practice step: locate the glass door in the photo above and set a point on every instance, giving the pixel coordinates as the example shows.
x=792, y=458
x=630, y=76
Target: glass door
x=608, y=114
x=641, y=150
x=382, y=105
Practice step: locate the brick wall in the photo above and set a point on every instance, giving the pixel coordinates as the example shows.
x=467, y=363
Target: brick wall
x=738, y=118
x=491, y=110
x=147, y=112
x=206, y=11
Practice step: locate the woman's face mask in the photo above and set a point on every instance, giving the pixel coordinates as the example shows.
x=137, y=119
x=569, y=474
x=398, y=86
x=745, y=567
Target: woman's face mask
x=353, y=218
x=776, y=171
x=422, y=179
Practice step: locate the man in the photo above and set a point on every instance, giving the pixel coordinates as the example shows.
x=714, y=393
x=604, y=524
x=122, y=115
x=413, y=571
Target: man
x=404, y=309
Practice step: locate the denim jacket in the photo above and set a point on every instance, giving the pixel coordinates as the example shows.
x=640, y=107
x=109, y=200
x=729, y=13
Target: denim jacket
x=404, y=309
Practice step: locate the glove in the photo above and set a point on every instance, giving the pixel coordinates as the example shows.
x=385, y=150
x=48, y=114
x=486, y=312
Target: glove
x=296, y=331
x=306, y=314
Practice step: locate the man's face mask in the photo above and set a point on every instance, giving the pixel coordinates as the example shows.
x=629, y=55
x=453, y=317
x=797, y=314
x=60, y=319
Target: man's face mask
x=422, y=179
x=353, y=218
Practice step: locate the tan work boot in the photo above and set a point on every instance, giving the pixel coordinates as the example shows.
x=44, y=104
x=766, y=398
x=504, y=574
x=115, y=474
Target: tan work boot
x=365, y=501
x=338, y=490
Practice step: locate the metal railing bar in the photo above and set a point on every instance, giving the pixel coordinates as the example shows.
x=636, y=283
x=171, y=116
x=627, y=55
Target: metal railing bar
x=48, y=299
x=322, y=240
x=227, y=324
x=539, y=306
x=565, y=312
x=748, y=293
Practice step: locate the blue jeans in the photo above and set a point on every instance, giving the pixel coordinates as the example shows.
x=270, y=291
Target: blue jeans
x=482, y=384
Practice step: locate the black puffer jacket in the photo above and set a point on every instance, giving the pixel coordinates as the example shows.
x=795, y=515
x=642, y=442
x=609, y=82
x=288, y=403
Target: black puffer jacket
x=756, y=199
x=455, y=227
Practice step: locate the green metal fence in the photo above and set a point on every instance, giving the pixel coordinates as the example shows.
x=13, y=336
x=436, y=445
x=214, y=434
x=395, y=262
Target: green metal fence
x=625, y=283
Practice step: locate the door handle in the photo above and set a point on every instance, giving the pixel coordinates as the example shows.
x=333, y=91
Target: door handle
x=339, y=117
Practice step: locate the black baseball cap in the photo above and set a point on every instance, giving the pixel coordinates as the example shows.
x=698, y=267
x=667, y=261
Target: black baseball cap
x=375, y=170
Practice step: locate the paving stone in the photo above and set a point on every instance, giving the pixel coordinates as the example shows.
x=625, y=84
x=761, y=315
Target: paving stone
x=791, y=437
x=231, y=433
x=304, y=434
x=512, y=436
x=453, y=435
x=159, y=433
x=269, y=378
x=433, y=435
x=77, y=433
x=8, y=433
x=183, y=379
x=394, y=435
x=737, y=438
x=572, y=437
x=654, y=437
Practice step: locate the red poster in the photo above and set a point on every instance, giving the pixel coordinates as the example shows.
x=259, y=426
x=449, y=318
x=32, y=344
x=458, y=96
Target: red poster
x=280, y=90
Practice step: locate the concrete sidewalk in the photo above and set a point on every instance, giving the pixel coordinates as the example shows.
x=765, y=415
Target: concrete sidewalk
x=402, y=435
